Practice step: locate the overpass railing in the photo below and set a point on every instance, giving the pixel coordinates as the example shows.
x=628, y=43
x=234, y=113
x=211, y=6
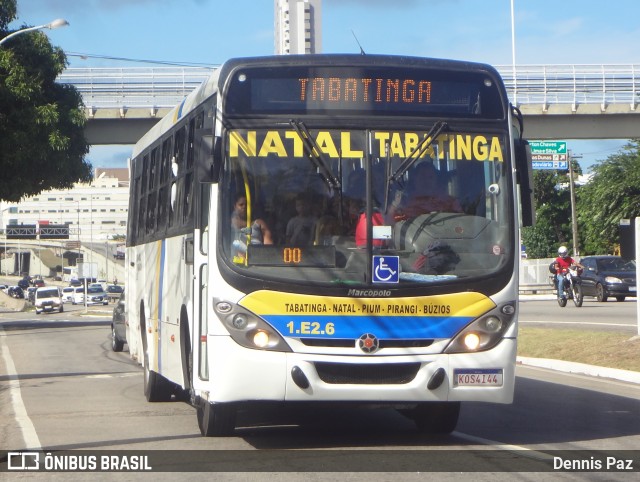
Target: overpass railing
x=161, y=87
x=138, y=87
x=573, y=84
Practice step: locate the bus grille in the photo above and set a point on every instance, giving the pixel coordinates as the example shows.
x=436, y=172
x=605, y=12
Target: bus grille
x=349, y=343
x=367, y=374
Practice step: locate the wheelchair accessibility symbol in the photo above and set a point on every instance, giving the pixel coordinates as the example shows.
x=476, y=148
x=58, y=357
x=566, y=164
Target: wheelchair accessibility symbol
x=386, y=269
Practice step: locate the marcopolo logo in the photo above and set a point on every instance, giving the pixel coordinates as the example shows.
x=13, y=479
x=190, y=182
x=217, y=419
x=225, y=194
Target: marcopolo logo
x=355, y=292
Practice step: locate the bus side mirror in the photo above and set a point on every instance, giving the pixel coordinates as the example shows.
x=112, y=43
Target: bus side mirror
x=524, y=171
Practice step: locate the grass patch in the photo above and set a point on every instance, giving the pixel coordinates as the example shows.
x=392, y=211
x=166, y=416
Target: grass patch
x=598, y=348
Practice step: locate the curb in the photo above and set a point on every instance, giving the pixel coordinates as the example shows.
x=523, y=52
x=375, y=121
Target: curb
x=581, y=369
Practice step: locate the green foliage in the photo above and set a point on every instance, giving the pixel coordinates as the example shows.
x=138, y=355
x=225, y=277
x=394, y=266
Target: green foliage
x=612, y=194
x=553, y=214
x=8, y=11
x=42, y=143
x=537, y=239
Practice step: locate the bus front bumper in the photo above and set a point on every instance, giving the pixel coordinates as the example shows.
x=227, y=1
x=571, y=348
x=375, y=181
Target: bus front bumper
x=238, y=374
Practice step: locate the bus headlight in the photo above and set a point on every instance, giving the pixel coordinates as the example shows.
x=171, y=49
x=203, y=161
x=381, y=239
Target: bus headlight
x=240, y=321
x=247, y=329
x=485, y=332
x=472, y=341
x=261, y=339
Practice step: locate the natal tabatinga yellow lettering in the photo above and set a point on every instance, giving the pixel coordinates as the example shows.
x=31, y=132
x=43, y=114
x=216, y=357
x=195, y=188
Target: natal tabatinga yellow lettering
x=350, y=145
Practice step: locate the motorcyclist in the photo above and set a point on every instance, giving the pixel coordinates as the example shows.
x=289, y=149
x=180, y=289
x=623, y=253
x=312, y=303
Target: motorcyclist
x=562, y=264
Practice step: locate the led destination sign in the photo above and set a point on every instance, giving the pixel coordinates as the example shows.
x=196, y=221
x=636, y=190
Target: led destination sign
x=370, y=90
x=364, y=90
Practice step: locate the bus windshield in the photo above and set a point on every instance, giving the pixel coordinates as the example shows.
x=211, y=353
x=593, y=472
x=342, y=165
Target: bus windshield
x=297, y=204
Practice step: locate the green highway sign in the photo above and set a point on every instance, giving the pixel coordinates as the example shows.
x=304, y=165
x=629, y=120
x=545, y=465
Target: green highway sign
x=548, y=147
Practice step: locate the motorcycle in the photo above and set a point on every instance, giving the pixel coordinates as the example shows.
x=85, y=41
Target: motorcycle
x=572, y=287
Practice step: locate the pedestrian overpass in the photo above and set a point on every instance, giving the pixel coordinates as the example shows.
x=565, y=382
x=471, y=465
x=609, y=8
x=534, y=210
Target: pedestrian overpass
x=557, y=101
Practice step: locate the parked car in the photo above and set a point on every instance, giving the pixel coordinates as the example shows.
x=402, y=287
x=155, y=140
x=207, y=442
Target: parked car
x=24, y=283
x=38, y=283
x=4, y=288
x=33, y=279
x=119, y=325
x=49, y=299
x=67, y=294
x=15, y=292
x=75, y=282
x=606, y=276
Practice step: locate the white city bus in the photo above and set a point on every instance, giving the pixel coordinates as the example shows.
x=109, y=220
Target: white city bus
x=386, y=296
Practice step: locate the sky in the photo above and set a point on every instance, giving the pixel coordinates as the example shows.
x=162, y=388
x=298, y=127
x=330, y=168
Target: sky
x=207, y=32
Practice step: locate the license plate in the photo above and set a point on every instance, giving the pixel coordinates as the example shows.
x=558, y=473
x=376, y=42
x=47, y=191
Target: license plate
x=632, y=288
x=477, y=378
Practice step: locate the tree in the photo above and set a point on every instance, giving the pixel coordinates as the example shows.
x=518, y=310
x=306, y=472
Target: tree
x=553, y=213
x=42, y=142
x=612, y=194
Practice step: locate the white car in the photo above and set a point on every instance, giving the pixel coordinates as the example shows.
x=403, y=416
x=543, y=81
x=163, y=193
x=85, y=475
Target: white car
x=95, y=295
x=48, y=298
x=77, y=296
x=67, y=294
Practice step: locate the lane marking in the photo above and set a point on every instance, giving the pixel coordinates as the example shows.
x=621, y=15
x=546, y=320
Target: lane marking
x=576, y=323
x=520, y=450
x=114, y=375
x=29, y=434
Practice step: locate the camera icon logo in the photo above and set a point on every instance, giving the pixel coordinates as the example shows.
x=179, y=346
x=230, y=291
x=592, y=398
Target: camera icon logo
x=24, y=461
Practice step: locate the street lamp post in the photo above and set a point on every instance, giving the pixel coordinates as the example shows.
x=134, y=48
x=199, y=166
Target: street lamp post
x=60, y=22
x=78, y=257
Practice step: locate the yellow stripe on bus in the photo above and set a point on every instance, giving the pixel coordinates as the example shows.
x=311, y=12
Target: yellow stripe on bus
x=456, y=304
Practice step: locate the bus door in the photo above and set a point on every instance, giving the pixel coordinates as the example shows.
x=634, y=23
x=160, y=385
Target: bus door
x=200, y=320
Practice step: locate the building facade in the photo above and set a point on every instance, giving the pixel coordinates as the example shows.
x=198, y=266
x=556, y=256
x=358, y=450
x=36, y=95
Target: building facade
x=298, y=27
x=94, y=212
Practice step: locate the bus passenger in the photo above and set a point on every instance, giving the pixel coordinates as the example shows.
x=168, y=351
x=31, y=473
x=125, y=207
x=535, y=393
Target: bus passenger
x=257, y=233
x=301, y=228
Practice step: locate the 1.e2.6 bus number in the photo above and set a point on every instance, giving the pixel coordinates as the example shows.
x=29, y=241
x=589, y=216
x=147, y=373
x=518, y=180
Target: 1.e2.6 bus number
x=310, y=328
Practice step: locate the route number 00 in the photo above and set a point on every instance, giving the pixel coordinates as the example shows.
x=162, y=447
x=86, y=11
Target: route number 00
x=292, y=255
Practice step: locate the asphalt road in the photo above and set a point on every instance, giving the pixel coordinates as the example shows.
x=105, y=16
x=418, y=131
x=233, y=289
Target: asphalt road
x=66, y=390
x=614, y=316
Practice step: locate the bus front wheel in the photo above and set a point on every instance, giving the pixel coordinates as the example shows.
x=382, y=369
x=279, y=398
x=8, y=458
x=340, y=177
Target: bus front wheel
x=216, y=419
x=436, y=417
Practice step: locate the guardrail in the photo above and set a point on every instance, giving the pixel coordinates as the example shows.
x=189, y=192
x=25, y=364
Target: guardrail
x=154, y=87
x=573, y=84
x=161, y=87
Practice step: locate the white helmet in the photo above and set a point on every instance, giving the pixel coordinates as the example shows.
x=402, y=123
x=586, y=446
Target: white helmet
x=563, y=251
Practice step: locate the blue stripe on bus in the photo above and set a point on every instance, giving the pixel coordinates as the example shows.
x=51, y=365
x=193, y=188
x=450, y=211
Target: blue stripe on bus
x=179, y=112
x=383, y=327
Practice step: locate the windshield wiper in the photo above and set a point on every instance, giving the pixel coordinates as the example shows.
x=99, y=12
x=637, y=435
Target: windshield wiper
x=420, y=149
x=412, y=158
x=315, y=154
